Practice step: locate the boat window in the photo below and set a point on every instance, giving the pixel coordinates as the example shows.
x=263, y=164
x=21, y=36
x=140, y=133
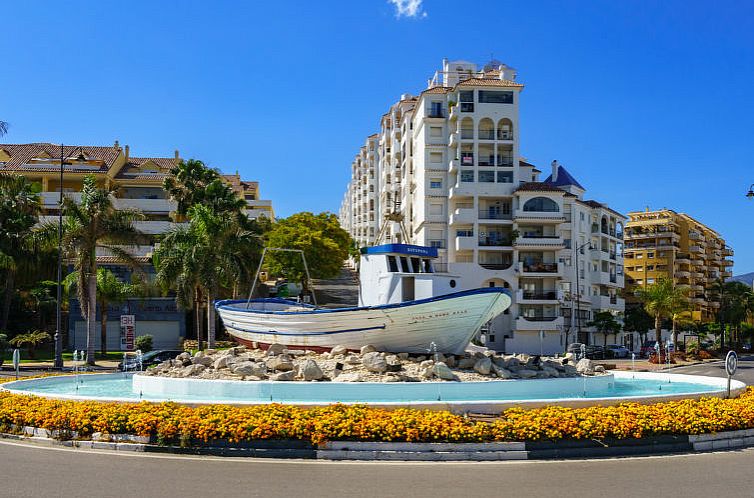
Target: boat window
x=392, y=264
x=416, y=265
x=404, y=265
x=427, y=266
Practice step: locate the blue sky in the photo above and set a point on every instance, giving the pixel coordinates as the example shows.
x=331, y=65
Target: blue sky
x=285, y=92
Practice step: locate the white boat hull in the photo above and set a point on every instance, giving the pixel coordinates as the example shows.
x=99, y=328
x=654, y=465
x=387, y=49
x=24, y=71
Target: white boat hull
x=448, y=321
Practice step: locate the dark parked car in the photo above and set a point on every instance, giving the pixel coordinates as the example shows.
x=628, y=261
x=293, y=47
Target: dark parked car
x=618, y=351
x=648, y=348
x=150, y=359
x=591, y=352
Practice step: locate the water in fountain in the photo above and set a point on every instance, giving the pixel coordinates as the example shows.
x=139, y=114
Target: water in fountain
x=633, y=365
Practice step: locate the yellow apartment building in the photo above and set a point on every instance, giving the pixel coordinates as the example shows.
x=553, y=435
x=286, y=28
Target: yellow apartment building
x=672, y=245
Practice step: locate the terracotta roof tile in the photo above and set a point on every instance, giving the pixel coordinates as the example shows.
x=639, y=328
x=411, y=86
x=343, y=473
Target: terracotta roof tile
x=438, y=89
x=538, y=187
x=21, y=154
x=490, y=82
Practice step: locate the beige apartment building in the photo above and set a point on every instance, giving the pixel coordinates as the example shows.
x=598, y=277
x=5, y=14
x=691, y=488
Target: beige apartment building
x=667, y=244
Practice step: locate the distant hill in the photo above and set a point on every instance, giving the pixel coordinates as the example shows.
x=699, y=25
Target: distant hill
x=747, y=278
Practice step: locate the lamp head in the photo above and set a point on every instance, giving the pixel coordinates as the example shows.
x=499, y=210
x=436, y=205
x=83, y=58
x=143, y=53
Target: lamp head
x=750, y=193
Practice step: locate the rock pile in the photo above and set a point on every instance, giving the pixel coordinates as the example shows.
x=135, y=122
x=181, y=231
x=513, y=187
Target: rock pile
x=368, y=365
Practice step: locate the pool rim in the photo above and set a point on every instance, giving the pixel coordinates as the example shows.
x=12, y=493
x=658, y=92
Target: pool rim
x=464, y=406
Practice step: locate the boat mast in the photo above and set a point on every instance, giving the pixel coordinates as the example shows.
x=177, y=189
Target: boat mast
x=259, y=269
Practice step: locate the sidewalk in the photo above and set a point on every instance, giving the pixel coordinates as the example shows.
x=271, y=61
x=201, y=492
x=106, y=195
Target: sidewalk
x=643, y=365
x=103, y=365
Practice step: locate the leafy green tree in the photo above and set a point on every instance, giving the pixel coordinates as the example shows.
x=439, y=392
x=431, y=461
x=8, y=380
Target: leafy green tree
x=661, y=301
x=638, y=320
x=605, y=323
x=324, y=243
x=19, y=210
x=144, y=343
x=93, y=224
x=192, y=183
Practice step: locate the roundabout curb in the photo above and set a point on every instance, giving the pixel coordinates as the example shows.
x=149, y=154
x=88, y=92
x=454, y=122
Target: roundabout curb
x=401, y=451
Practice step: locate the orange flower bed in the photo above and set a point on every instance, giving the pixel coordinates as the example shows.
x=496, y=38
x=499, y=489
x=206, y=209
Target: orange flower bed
x=171, y=422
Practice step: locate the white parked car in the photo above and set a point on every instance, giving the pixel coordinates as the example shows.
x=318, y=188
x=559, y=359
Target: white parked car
x=618, y=351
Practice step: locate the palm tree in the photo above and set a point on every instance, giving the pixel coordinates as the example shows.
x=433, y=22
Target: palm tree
x=3, y=128
x=661, y=300
x=93, y=224
x=605, y=323
x=19, y=209
x=192, y=182
x=212, y=253
x=110, y=290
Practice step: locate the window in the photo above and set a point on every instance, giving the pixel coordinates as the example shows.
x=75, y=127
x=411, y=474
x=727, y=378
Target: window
x=435, y=131
x=404, y=265
x=504, y=177
x=392, y=264
x=650, y=267
x=467, y=96
x=639, y=268
x=491, y=338
x=435, y=110
x=541, y=204
x=435, y=183
x=486, y=176
x=650, y=255
x=435, y=157
x=495, y=97
x=416, y=265
x=464, y=233
x=467, y=176
x=650, y=280
x=639, y=256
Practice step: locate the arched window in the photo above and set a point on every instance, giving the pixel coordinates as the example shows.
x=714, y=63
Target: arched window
x=504, y=129
x=486, y=129
x=603, y=225
x=541, y=204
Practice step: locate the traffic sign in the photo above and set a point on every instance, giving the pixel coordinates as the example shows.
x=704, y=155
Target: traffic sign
x=731, y=363
x=16, y=361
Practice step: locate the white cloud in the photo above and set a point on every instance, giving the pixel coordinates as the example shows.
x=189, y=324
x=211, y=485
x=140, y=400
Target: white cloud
x=408, y=8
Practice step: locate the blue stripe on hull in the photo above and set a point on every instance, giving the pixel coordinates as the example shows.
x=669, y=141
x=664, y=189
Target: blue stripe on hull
x=329, y=332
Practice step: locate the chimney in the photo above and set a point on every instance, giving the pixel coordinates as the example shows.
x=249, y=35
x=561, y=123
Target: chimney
x=127, y=151
x=116, y=144
x=177, y=157
x=555, y=167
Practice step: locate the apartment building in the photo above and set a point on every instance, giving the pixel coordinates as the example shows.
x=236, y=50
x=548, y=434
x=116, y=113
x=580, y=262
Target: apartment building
x=136, y=182
x=666, y=244
x=450, y=173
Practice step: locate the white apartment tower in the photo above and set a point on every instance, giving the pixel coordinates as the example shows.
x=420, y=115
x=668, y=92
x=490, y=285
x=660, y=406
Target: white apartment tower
x=449, y=162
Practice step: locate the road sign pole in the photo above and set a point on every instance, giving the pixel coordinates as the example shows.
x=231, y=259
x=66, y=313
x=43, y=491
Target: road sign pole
x=16, y=361
x=731, y=365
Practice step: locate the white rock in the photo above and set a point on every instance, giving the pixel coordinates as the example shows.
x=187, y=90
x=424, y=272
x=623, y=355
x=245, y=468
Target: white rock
x=348, y=377
x=585, y=366
x=339, y=349
x=443, y=371
x=367, y=349
x=284, y=376
x=275, y=349
x=280, y=363
x=374, y=362
x=352, y=360
x=309, y=370
x=249, y=368
x=483, y=366
x=221, y=362
x=599, y=369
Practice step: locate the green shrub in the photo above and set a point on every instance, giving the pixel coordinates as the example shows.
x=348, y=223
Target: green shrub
x=30, y=340
x=144, y=343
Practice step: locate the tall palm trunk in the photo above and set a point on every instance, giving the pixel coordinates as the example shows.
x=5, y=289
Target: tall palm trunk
x=658, y=328
x=675, y=333
x=91, y=318
x=9, y=284
x=198, y=317
x=103, y=326
x=210, y=322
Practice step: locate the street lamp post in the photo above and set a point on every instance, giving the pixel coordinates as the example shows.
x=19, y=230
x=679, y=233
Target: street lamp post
x=576, y=306
x=58, y=314
x=750, y=193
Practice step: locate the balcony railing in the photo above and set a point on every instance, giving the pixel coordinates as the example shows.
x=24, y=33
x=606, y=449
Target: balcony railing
x=504, y=135
x=492, y=214
x=540, y=295
x=487, y=134
x=467, y=134
x=495, y=239
x=486, y=160
x=496, y=266
x=542, y=318
x=434, y=113
x=541, y=267
x=505, y=161
x=467, y=107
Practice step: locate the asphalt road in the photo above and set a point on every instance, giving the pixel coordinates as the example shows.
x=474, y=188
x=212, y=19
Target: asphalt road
x=31, y=471
x=745, y=372
x=27, y=470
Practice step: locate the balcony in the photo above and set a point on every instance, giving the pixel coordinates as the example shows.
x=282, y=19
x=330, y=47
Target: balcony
x=695, y=248
x=608, y=302
x=455, y=165
x=436, y=243
x=495, y=214
x=466, y=106
x=606, y=278
x=50, y=199
x=486, y=134
x=465, y=243
x=538, y=296
x=539, y=241
x=728, y=251
x=462, y=216
x=542, y=216
x=539, y=269
x=683, y=274
x=495, y=266
x=154, y=227
x=504, y=135
x=505, y=161
x=495, y=239
x=462, y=189
x=162, y=206
x=543, y=322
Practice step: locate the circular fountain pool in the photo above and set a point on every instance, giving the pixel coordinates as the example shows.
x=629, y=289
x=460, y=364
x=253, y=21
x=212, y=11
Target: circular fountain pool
x=488, y=396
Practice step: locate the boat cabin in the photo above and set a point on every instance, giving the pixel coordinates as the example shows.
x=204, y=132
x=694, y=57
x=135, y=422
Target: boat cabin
x=396, y=273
